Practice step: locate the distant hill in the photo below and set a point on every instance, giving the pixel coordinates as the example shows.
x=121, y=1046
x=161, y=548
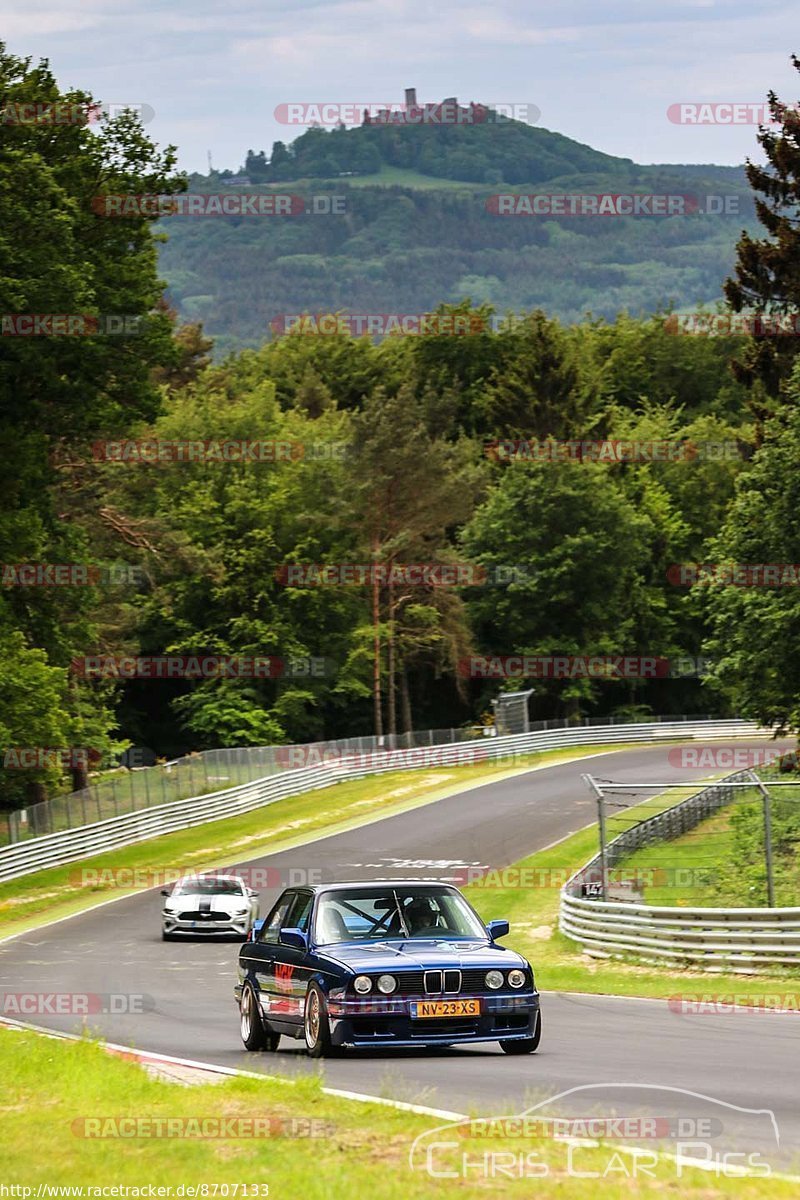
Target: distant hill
x=485, y=149
x=420, y=227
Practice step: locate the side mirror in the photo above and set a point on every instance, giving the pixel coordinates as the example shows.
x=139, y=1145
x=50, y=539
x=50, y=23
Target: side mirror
x=497, y=929
x=165, y=891
x=255, y=929
x=293, y=937
x=252, y=893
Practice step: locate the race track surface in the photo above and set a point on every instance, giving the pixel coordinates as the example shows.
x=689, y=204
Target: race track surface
x=749, y=1061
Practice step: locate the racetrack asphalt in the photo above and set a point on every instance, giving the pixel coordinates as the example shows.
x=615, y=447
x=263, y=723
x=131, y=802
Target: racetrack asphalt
x=743, y=1060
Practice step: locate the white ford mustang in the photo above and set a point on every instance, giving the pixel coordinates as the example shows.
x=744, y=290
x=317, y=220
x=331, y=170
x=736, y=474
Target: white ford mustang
x=200, y=904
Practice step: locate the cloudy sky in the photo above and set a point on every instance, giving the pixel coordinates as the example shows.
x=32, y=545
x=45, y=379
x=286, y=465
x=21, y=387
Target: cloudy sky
x=214, y=71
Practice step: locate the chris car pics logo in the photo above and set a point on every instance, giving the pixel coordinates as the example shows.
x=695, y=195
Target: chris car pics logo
x=610, y=1131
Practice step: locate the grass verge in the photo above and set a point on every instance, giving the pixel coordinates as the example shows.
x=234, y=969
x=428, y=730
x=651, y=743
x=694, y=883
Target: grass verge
x=696, y=859
x=62, y=891
x=55, y=1093
x=527, y=894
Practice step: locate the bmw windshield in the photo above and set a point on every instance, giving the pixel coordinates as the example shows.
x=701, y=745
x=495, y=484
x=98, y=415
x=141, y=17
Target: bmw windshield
x=379, y=914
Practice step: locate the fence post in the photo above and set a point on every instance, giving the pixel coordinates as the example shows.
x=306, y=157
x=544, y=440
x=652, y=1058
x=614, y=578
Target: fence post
x=767, y=837
x=601, y=824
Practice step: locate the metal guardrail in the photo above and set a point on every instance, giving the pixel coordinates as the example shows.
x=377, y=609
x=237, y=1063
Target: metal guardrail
x=70, y=845
x=117, y=793
x=731, y=939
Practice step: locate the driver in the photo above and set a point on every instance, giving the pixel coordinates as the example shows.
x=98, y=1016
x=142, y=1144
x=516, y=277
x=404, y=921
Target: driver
x=420, y=915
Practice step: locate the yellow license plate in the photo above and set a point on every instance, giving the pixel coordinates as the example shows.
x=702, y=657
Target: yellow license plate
x=446, y=1008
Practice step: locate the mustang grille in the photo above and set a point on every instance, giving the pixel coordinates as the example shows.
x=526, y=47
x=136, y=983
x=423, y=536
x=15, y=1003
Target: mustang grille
x=204, y=915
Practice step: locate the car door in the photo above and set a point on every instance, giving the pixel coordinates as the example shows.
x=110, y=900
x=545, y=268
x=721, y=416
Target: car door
x=291, y=969
x=257, y=957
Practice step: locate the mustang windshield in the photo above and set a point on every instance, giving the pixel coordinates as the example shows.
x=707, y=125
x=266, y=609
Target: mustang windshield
x=376, y=914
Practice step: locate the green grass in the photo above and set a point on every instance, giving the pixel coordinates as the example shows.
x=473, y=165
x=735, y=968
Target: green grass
x=530, y=901
x=696, y=858
x=60, y=891
x=51, y=1088
x=721, y=862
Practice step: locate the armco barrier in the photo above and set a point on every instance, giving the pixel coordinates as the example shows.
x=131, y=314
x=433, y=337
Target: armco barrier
x=50, y=850
x=718, y=939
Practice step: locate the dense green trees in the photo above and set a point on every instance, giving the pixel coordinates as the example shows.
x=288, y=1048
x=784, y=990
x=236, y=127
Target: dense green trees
x=755, y=619
x=423, y=449
x=59, y=257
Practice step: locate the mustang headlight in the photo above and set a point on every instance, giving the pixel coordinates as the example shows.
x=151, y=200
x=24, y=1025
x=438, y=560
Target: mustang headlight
x=516, y=978
x=494, y=980
x=387, y=984
x=362, y=984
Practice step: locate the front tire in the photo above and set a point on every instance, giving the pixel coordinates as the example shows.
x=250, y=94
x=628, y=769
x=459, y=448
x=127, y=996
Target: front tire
x=251, y=1026
x=524, y=1045
x=316, y=1026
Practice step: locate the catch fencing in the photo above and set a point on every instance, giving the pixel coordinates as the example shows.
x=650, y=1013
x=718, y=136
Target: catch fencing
x=737, y=940
x=278, y=772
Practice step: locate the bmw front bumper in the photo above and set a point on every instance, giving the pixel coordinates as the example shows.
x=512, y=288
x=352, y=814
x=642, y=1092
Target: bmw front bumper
x=389, y=1022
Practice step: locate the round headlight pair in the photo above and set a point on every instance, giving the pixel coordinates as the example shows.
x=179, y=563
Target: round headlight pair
x=386, y=984
x=495, y=980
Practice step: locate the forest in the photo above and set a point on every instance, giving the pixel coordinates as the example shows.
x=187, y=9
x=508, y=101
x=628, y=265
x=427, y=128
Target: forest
x=361, y=534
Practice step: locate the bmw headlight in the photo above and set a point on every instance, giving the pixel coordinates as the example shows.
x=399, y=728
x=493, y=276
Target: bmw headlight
x=494, y=980
x=516, y=978
x=362, y=984
x=387, y=984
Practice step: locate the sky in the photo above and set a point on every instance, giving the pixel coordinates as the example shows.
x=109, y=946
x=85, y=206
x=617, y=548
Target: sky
x=213, y=72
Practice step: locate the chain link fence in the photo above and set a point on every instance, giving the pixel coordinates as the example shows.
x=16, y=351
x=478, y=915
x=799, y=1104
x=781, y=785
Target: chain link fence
x=130, y=790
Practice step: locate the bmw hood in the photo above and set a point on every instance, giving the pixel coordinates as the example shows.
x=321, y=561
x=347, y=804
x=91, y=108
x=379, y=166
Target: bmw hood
x=420, y=954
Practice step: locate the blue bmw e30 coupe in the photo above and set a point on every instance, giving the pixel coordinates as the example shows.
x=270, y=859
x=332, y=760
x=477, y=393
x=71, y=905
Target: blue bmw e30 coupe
x=397, y=963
